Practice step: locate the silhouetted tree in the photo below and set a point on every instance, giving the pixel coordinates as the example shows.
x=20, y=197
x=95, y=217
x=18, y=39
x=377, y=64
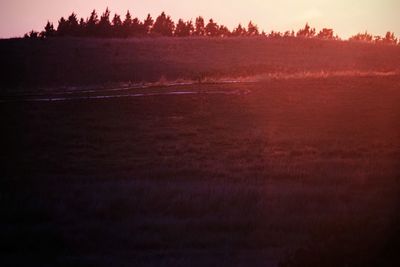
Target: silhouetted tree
x=163, y=25
x=49, y=30
x=275, y=34
x=326, y=34
x=72, y=25
x=288, y=34
x=252, y=29
x=127, y=25
x=364, y=37
x=199, y=27
x=116, y=26
x=32, y=35
x=148, y=24
x=223, y=31
x=104, y=26
x=137, y=27
x=389, y=38
x=82, y=27
x=239, y=31
x=62, y=28
x=92, y=23
x=212, y=28
x=378, y=39
x=180, y=28
x=190, y=27
x=184, y=29
x=306, y=32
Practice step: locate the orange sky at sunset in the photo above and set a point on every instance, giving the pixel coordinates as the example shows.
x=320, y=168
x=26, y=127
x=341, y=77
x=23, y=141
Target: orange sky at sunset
x=345, y=17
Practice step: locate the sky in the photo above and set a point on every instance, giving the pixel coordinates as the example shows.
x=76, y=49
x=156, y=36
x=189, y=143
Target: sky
x=346, y=17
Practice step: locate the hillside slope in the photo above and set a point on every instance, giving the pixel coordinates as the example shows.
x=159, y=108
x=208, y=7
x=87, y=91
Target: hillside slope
x=72, y=61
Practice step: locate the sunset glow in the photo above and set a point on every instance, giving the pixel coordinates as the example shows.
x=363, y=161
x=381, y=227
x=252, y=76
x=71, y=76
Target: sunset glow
x=345, y=17
x=200, y=133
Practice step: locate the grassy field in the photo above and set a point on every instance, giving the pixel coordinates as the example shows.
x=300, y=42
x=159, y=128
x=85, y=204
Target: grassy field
x=65, y=62
x=281, y=172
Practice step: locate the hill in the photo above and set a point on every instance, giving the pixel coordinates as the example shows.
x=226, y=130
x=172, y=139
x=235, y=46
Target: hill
x=75, y=61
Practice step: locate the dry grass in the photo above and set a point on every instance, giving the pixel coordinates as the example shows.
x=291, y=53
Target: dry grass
x=66, y=62
x=300, y=171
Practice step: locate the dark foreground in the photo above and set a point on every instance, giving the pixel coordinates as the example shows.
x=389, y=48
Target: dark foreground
x=296, y=172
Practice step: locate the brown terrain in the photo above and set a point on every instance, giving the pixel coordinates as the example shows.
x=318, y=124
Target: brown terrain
x=200, y=152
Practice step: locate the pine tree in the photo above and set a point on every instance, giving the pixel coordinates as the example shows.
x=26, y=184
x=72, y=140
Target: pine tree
x=276, y=34
x=73, y=25
x=326, y=34
x=189, y=27
x=390, y=38
x=223, y=31
x=62, y=28
x=127, y=25
x=49, y=30
x=199, y=27
x=32, y=35
x=306, y=32
x=137, y=27
x=82, y=27
x=239, y=31
x=92, y=23
x=252, y=29
x=180, y=29
x=364, y=37
x=211, y=28
x=148, y=24
x=117, y=26
x=163, y=25
x=104, y=24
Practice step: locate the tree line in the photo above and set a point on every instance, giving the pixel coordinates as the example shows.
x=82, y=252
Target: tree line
x=104, y=26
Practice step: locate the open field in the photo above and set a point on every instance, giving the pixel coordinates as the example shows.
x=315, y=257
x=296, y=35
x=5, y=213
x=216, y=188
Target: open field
x=63, y=61
x=289, y=172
